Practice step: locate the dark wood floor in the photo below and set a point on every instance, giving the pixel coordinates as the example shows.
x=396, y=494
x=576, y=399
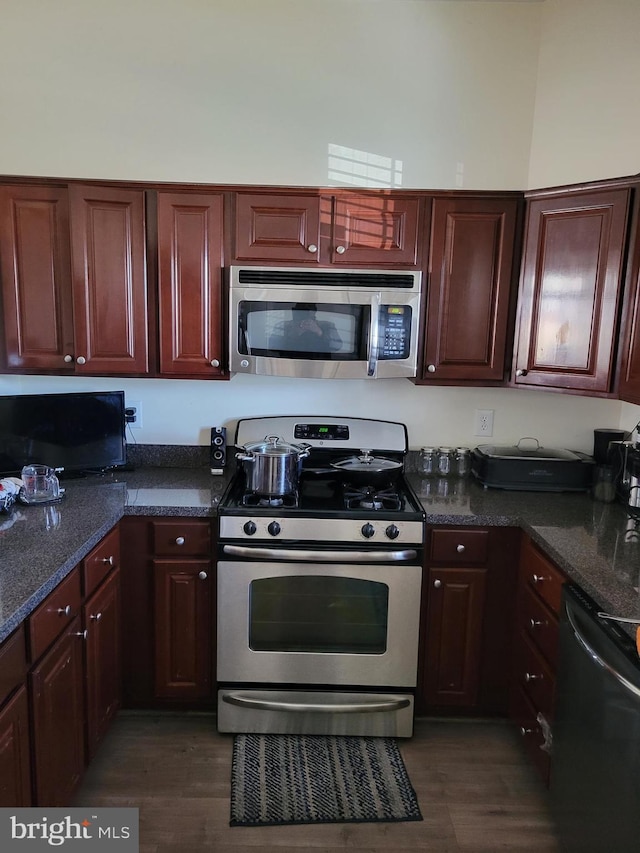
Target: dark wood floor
x=475, y=788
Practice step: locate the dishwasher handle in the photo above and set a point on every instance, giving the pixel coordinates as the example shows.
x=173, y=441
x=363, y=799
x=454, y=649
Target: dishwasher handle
x=586, y=646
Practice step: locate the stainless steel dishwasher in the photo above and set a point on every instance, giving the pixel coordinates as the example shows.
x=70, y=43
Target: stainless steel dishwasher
x=595, y=776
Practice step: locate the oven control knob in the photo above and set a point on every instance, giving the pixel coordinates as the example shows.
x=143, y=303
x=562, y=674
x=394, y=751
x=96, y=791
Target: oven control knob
x=392, y=531
x=274, y=528
x=250, y=528
x=367, y=530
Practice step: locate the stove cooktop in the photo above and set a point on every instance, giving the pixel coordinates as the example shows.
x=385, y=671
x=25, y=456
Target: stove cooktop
x=324, y=498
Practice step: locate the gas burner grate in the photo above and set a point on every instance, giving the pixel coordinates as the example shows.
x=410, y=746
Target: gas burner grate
x=254, y=499
x=368, y=497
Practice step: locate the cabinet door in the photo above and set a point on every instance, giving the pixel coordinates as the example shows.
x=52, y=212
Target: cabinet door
x=35, y=272
x=454, y=636
x=109, y=280
x=101, y=620
x=375, y=229
x=570, y=290
x=277, y=228
x=15, y=776
x=183, y=628
x=470, y=289
x=629, y=383
x=190, y=260
x=57, y=699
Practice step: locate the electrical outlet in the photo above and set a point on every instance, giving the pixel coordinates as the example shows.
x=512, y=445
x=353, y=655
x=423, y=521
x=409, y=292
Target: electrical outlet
x=133, y=415
x=484, y=422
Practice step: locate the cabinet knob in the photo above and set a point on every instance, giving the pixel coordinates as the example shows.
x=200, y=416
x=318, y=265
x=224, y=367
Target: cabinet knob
x=202, y=575
x=81, y=359
x=537, y=578
x=65, y=611
x=530, y=676
x=521, y=372
x=108, y=560
x=340, y=250
x=96, y=617
x=431, y=368
x=214, y=362
x=536, y=623
x=312, y=248
x=84, y=634
x=460, y=548
x=180, y=540
x=524, y=731
x=437, y=583
x=68, y=359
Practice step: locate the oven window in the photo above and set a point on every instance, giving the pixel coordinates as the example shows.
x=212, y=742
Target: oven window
x=318, y=614
x=303, y=330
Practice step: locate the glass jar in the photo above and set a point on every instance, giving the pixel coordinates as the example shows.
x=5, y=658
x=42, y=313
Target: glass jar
x=445, y=459
x=463, y=461
x=428, y=461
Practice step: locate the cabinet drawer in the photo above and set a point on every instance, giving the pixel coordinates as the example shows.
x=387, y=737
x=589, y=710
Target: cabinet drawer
x=99, y=562
x=540, y=624
x=534, y=676
x=542, y=575
x=54, y=614
x=459, y=546
x=525, y=716
x=13, y=663
x=181, y=538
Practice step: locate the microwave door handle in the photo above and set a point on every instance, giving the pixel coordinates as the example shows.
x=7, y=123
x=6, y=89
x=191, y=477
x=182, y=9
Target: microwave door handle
x=373, y=339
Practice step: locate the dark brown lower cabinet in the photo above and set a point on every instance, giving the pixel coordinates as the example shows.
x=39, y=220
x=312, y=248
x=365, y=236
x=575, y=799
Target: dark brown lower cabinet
x=101, y=620
x=58, y=713
x=168, y=622
x=183, y=628
x=15, y=774
x=454, y=638
x=469, y=592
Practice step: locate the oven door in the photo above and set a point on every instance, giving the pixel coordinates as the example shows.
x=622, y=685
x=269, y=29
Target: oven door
x=324, y=334
x=303, y=623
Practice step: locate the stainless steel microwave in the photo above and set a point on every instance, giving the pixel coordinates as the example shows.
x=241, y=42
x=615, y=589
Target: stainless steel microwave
x=324, y=323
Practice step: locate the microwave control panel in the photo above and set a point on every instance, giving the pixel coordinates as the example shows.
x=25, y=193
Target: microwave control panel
x=394, y=323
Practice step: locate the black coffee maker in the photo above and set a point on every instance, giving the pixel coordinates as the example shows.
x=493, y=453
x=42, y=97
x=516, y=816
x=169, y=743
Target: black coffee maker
x=623, y=458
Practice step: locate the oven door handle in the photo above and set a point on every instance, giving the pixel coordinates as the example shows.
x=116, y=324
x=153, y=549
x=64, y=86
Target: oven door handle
x=303, y=556
x=263, y=704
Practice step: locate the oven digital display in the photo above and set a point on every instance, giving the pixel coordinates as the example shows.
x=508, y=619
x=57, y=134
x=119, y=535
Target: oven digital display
x=321, y=432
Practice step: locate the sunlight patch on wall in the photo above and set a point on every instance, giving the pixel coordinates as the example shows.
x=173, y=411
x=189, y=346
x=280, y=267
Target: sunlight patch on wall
x=354, y=167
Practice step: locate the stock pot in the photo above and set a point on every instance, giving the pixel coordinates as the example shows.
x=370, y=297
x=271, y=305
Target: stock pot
x=272, y=466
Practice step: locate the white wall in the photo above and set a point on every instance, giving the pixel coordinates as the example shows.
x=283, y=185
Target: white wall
x=254, y=91
x=587, y=121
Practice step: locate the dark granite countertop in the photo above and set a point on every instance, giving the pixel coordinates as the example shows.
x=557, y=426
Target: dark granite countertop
x=596, y=544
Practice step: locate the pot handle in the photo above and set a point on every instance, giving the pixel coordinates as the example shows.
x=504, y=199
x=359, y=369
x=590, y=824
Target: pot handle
x=245, y=457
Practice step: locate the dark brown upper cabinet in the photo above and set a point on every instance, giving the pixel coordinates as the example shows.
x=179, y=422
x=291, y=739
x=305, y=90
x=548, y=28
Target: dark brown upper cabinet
x=346, y=228
x=629, y=381
x=190, y=260
x=108, y=256
x=571, y=290
x=471, y=292
x=35, y=278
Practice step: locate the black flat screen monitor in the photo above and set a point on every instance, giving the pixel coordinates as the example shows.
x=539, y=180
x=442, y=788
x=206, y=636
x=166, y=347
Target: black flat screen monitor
x=80, y=432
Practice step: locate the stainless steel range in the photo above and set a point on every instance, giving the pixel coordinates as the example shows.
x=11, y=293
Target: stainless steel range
x=319, y=586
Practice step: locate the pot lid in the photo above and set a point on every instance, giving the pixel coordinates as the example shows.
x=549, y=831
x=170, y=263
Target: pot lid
x=516, y=451
x=366, y=463
x=274, y=445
